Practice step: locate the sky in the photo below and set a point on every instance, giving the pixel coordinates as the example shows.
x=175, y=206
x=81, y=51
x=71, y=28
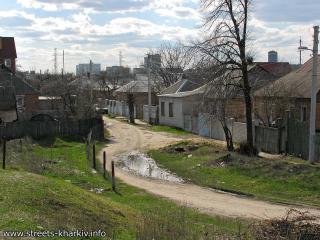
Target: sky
x=100, y=29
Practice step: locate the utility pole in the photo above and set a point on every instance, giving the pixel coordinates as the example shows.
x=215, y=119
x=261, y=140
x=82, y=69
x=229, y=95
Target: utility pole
x=62, y=63
x=120, y=59
x=314, y=96
x=300, y=50
x=149, y=63
x=55, y=59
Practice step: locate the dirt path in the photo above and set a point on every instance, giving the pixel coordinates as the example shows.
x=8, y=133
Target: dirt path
x=126, y=138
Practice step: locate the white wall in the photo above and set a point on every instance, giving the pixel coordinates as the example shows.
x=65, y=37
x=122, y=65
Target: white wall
x=211, y=128
x=178, y=119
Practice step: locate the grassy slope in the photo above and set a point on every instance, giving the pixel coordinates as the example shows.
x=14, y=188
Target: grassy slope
x=284, y=180
x=29, y=201
x=66, y=170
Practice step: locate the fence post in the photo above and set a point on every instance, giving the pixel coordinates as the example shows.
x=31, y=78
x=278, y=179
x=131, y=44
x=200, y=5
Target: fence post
x=104, y=164
x=4, y=149
x=113, y=177
x=287, y=131
x=279, y=139
x=94, y=156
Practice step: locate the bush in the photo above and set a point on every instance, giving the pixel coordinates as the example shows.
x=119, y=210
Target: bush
x=294, y=226
x=245, y=150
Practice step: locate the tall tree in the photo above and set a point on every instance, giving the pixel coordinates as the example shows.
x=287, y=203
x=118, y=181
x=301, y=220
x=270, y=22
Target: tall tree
x=226, y=21
x=175, y=59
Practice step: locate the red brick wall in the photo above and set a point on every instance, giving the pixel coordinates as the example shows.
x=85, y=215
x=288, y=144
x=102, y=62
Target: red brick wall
x=31, y=103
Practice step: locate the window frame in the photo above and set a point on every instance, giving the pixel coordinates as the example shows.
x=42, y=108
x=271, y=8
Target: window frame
x=171, y=110
x=303, y=114
x=163, y=109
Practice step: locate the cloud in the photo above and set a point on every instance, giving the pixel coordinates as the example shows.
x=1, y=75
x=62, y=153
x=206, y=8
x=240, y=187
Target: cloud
x=287, y=10
x=91, y=5
x=180, y=13
x=99, y=29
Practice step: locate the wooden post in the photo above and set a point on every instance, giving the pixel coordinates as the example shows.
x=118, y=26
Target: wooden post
x=104, y=164
x=113, y=177
x=94, y=156
x=4, y=149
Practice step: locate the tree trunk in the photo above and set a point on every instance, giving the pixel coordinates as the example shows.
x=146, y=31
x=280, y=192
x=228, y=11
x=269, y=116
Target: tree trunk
x=131, y=108
x=229, y=139
x=248, y=102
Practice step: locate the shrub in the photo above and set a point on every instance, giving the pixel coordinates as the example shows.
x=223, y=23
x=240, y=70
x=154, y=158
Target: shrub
x=244, y=149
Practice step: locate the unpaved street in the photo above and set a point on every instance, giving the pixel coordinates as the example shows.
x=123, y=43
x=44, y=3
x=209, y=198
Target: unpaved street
x=126, y=138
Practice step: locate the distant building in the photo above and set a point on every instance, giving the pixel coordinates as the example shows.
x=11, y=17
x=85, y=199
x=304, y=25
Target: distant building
x=139, y=71
x=8, y=54
x=152, y=60
x=272, y=57
x=88, y=69
x=118, y=71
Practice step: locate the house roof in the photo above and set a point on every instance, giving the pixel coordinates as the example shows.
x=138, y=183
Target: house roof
x=278, y=69
x=178, y=94
x=7, y=48
x=181, y=86
x=295, y=84
x=20, y=86
x=135, y=87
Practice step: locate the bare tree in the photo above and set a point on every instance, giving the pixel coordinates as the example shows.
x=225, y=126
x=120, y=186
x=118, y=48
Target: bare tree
x=272, y=103
x=227, y=23
x=175, y=59
x=130, y=102
x=69, y=98
x=218, y=92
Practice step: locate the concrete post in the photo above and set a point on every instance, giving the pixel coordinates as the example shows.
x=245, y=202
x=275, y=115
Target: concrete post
x=313, y=111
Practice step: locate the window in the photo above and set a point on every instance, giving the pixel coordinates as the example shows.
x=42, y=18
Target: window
x=170, y=109
x=20, y=103
x=303, y=114
x=163, y=113
x=7, y=63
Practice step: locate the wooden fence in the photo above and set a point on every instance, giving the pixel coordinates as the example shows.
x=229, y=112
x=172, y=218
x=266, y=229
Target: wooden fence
x=270, y=139
x=38, y=129
x=291, y=138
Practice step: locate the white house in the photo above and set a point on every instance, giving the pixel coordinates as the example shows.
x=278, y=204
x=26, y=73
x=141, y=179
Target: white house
x=179, y=105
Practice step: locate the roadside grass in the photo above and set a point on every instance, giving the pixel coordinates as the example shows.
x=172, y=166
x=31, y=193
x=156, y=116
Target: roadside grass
x=64, y=166
x=167, y=129
x=286, y=180
x=34, y=202
x=156, y=128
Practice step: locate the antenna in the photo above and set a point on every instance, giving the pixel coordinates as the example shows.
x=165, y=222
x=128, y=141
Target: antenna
x=55, y=59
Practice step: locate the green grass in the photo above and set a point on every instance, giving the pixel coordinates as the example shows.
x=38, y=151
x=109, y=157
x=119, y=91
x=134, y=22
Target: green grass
x=283, y=180
x=62, y=176
x=33, y=202
x=172, y=130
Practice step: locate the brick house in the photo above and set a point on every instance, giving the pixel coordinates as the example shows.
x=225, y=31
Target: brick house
x=26, y=96
x=8, y=53
x=291, y=93
x=8, y=110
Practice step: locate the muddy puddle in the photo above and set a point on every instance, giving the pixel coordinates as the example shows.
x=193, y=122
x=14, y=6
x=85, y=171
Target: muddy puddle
x=142, y=165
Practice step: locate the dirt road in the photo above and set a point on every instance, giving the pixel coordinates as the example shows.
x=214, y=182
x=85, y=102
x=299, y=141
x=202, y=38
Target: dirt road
x=126, y=138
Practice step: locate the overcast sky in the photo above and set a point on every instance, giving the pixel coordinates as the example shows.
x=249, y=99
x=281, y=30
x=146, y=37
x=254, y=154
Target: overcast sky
x=99, y=29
